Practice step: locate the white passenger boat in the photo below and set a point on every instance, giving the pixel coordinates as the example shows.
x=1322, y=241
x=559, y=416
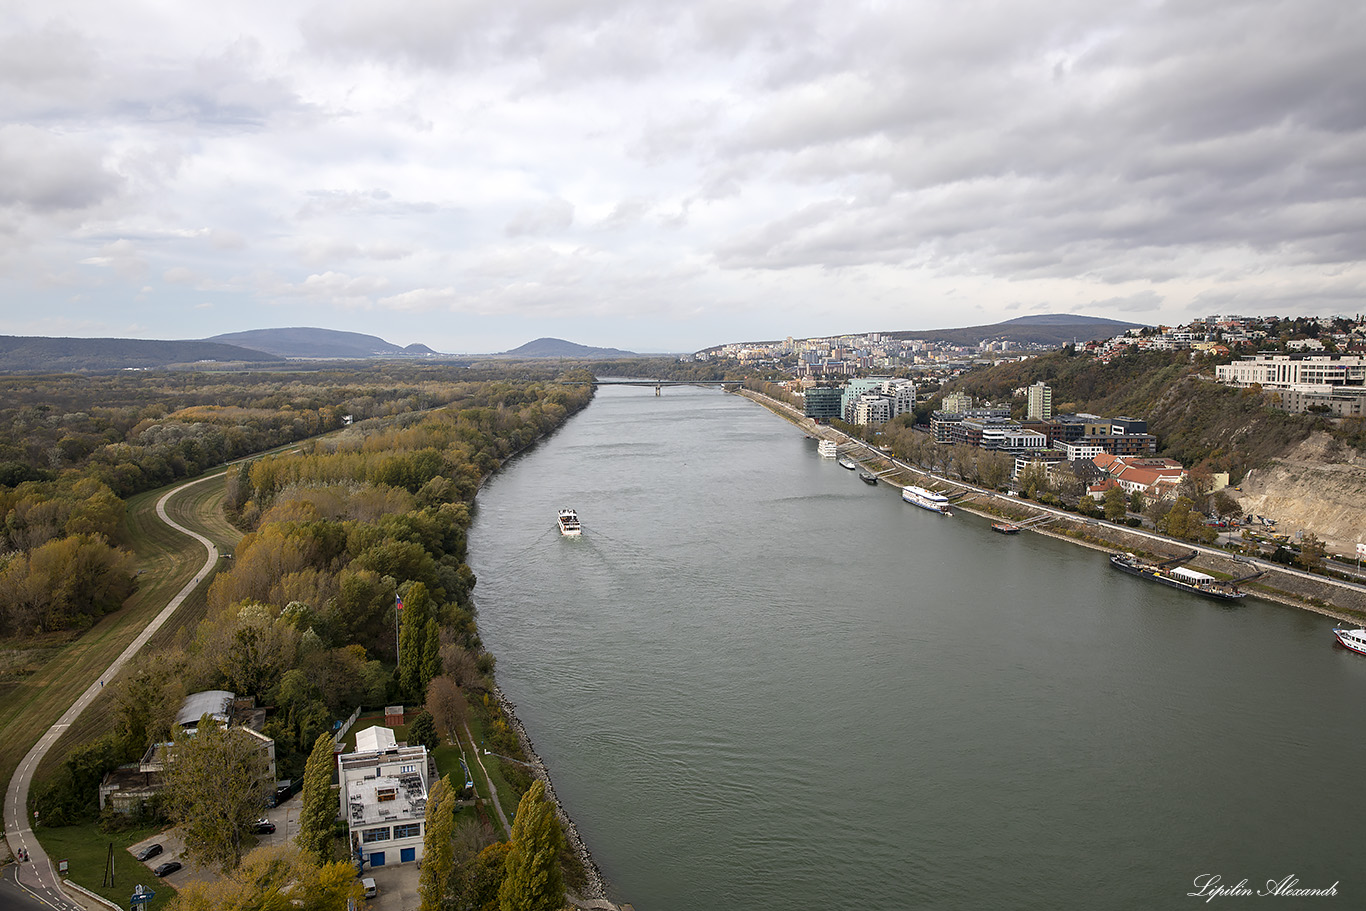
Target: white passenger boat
x=1355, y=639
x=926, y=499
x=846, y=462
x=827, y=449
x=569, y=523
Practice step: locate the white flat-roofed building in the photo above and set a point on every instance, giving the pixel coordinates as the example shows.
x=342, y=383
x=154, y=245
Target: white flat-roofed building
x=384, y=798
x=1323, y=373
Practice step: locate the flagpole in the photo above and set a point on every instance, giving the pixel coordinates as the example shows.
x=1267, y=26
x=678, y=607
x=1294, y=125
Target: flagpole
x=398, y=610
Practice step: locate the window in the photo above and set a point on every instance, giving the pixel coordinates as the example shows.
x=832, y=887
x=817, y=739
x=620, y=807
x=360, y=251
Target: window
x=411, y=830
x=373, y=835
x=408, y=768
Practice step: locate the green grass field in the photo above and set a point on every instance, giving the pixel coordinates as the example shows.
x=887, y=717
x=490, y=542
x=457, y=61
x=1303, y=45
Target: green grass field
x=86, y=850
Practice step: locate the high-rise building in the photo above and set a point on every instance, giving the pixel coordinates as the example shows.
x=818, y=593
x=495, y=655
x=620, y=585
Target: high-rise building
x=1039, y=403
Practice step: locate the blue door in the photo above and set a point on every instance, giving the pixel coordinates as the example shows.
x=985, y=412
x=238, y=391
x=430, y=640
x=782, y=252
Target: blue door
x=376, y=858
x=407, y=854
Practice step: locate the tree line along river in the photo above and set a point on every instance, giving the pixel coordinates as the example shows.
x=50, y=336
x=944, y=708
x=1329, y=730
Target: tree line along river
x=759, y=683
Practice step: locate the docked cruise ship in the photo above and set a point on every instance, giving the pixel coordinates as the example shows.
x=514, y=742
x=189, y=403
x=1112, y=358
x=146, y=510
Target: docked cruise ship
x=926, y=499
x=827, y=449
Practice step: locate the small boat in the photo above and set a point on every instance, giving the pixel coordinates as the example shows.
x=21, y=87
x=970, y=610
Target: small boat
x=926, y=499
x=1355, y=639
x=846, y=462
x=1005, y=528
x=569, y=523
x=867, y=478
x=827, y=449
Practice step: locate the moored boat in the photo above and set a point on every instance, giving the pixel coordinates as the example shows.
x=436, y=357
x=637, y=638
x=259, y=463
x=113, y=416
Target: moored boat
x=1354, y=639
x=846, y=462
x=569, y=523
x=867, y=478
x=827, y=449
x=1005, y=528
x=1178, y=576
x=926, y=499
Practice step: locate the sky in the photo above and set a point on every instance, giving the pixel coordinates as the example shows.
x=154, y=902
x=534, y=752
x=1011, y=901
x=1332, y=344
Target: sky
x=668, y=176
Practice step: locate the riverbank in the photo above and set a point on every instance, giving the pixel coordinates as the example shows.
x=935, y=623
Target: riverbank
x=1290, y=588
x=596, y=890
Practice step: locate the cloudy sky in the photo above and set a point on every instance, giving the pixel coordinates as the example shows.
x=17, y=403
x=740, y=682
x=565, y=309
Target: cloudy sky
x=667, y=176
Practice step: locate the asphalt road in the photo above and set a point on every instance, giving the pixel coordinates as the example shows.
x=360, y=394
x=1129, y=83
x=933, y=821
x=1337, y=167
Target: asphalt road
x=38, y=875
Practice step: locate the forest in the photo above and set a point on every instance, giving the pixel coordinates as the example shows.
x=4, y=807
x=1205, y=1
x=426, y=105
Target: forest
x=348, y=536
x=72, y=448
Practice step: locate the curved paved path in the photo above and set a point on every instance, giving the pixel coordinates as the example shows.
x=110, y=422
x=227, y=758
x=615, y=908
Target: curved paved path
x=38, y=875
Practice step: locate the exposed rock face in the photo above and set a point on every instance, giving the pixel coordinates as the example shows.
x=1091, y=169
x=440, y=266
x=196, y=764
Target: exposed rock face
x=1320, y=487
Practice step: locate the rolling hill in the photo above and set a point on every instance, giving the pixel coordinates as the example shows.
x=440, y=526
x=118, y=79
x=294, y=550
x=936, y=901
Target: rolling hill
x=319, y=343
x=39, y=354
x=558, y=347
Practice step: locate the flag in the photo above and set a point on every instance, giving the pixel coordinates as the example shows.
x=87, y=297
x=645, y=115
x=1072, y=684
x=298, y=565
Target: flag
x=398, y=602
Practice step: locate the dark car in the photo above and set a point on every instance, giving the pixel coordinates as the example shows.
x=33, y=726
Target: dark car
x=167, y=868
x=148, y=852
x=264, y=827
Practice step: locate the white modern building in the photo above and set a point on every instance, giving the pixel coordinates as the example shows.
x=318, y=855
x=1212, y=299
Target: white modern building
x=384, y=798
x=1323, y=373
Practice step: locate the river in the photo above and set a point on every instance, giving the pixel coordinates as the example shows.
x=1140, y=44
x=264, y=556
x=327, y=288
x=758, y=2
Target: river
x=761, y=684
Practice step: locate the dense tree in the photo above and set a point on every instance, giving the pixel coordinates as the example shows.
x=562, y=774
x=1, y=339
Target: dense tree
x=533, y=880
x=423, y=731
x=319, y=812
x=1311, y=551
x=64, y=583
x=1116, y=503
x=274, y=878
x=438, y=857
x=216, y=784
x=481, y=878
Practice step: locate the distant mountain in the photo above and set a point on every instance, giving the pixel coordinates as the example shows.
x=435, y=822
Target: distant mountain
x=37, y=354
x=319, y=343
x=1052, y=329
x=558, y=347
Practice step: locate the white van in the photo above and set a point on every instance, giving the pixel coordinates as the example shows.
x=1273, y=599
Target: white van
x=371, y=890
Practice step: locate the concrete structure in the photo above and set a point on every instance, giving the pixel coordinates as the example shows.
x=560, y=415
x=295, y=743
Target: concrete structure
x=1038, y=402
x=384, y=798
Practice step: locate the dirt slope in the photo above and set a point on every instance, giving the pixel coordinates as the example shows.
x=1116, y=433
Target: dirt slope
x=1320, y=487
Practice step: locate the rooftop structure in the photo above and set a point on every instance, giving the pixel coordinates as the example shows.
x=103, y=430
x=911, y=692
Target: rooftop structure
x=384, y=798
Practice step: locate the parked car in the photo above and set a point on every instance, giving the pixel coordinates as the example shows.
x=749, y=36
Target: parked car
x=369, y=887
x=167, y=868
x=148, y=852
x=263, y=827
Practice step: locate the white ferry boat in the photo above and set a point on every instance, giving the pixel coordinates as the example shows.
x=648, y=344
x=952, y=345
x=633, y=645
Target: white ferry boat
x=569, y=523
x=926, y=499
x=1355, y=639
x=846, y=462
x=827, y=449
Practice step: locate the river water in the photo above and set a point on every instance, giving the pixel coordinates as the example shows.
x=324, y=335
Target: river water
x=761, y=684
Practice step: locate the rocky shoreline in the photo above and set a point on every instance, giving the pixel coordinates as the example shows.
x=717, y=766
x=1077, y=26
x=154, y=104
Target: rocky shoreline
x=596, y=897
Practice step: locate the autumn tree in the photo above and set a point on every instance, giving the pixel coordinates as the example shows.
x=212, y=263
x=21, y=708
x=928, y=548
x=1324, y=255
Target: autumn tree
x=1311, y=551
x=438, y=851
x=533, y=880
x=1115, y=503
x=319, y=812
x=447, y=706
x=216, y=784
x=274, y=878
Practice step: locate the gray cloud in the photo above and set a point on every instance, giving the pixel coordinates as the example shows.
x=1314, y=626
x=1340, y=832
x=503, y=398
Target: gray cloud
x=721, y=163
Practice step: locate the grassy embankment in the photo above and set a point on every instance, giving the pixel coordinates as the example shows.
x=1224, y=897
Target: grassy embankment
x=31, y=702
